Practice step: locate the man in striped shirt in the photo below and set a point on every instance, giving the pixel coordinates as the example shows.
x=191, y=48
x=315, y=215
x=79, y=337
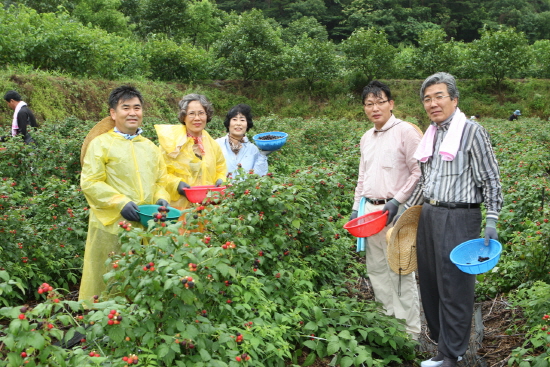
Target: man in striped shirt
x=459, y=172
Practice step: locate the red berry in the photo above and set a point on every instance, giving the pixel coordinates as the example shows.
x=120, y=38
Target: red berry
x=22, y=317
x=278, y=275
x=23, y=354
x=238, y=358
x=56, y=300
x=228, y=301
x=92, y=353
x=110, y=322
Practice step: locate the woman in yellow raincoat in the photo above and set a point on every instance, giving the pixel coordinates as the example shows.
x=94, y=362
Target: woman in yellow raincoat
x=192, y=156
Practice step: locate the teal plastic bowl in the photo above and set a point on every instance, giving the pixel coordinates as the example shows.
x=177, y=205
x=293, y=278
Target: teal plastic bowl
x=467, y=255
x=270, y=144
x=146, y=214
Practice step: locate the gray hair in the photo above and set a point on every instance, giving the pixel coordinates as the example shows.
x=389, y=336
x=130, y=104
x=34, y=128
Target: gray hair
x=184, y=103
x=438, y=78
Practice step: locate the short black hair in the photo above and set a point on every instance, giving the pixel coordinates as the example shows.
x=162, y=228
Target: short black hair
x=123, y=93
x=244, y=110
x=12, y=95
x=376, y=88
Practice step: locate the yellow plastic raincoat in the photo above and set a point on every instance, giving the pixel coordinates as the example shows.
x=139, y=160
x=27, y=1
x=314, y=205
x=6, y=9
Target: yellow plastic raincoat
x=183, y=165
x=115, y=171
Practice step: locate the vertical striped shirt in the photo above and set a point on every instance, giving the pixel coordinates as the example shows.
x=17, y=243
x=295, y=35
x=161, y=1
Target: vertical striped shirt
x=471, y=177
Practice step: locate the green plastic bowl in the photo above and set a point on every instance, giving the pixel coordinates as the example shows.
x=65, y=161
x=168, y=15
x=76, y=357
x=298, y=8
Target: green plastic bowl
x=146, y=214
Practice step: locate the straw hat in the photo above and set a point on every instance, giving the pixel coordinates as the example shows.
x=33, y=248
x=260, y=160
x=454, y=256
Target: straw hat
x=100, y=128
x=401, y=240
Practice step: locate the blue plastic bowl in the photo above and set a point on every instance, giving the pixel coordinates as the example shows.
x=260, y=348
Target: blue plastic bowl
x=465, y=256
x=270, y=144
x=146, y=214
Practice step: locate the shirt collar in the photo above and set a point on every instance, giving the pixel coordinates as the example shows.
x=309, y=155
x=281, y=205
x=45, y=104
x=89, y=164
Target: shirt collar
x=445, y=124
x=392, y=121
x=128, y=136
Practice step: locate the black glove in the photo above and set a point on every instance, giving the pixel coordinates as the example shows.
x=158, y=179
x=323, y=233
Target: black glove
x=268, y=152
x=130, y=212
x=218, y=183
x=182, y=185
x=392, y=209
x=162, y=202
x=490, y=234
x=396, y=219
x=353, y=215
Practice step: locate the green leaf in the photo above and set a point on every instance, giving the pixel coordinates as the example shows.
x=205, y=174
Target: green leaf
x=296, y=223
x=117, y=333
x=346, y=361
x=205, y=355
x=310, y=344
x=36, y=340
x=344, y=334
x=333, y=347
x=310, y=359
x=318, y=313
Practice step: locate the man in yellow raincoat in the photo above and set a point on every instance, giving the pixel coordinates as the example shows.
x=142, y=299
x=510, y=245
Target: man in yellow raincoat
x=120, y=170
x=192, y=156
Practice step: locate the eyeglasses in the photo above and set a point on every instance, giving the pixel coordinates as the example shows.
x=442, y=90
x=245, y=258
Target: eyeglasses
x=371, y=104
x=437, y=99
x=193, y=114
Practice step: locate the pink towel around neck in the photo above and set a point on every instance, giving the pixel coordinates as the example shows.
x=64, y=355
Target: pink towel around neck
x=450, y=144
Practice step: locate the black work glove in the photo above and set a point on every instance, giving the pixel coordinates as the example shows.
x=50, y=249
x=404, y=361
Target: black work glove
x=218, y=183
x=162, y=202
x=130, y=212
x=490, y=234
x=268, y=152
x=353, y=215
x=182, y=185
x=396, y=219
x=392, y=209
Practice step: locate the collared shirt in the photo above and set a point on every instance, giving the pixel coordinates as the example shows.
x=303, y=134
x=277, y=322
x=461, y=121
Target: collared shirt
x=249, y=157
x=387, y=168
x=128, y=136
x=471, y=177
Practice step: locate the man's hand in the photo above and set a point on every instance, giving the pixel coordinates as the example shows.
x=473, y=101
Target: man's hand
x=353, y=215
x=162, y=202
x=130, y=212
x=181, y=186
x=268, y=152
x=490, y=234
x=392, y=209
x=218, y=183
x=396, y=219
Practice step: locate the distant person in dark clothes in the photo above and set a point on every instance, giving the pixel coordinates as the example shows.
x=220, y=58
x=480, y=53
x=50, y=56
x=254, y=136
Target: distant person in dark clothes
x=514, y=115
x=23, y=118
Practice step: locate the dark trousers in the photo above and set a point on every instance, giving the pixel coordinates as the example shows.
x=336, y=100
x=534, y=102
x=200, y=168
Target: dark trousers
x=447, y=293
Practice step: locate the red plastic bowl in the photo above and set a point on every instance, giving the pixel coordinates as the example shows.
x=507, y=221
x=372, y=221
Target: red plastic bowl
x=367, y=225
x=197, y=194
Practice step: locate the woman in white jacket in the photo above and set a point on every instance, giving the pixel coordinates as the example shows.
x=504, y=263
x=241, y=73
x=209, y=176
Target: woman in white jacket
x=236, y=147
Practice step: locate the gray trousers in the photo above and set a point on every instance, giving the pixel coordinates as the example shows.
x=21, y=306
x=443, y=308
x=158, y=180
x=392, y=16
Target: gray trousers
x=447, y=293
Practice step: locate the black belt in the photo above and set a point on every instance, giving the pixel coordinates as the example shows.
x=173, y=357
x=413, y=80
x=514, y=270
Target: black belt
x=452, y=205
x=378, y=201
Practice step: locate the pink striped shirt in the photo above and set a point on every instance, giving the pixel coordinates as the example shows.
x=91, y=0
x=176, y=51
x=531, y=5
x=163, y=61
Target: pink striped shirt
x=388, y=168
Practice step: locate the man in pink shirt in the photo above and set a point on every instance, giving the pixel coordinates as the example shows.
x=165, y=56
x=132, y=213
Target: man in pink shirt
x=388, y=174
